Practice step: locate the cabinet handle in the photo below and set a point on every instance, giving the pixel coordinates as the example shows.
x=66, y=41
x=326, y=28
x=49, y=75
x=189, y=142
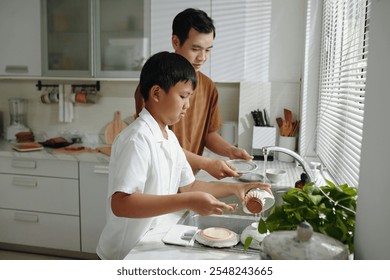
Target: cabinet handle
x=17, y=163
x=100, y=169
x=16, y=69
x=23, y=217
x=24, y=182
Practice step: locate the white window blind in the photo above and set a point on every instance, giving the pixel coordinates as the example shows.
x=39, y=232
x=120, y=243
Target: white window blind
x=344, y=50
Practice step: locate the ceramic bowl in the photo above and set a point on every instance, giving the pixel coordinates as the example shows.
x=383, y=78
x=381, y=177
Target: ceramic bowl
x=275, y=175
x=251, y=231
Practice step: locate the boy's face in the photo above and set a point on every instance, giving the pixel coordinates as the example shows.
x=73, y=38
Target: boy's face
x=174, y=104
x=196, y=49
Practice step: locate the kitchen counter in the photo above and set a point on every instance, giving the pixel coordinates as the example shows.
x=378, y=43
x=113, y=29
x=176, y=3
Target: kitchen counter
x=151, y=247
x=47, y=153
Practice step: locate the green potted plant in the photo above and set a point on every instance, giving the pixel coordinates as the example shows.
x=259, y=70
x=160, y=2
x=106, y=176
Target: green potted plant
x=329, y=209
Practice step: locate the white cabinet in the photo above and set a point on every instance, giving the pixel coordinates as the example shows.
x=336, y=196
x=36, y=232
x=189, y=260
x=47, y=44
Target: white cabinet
x=20, y=33
x=93, y=198
x=39, y=203
x=95, y=38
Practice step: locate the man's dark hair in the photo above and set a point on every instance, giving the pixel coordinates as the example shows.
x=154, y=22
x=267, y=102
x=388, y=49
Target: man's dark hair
x=191, y=18
x=166, y=69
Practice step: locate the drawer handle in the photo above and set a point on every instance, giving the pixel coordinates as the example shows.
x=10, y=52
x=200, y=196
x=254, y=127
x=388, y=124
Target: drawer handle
x=100, y=169
x=24, y=182
x=16, y=69
x=30, y=218
x=17, y=163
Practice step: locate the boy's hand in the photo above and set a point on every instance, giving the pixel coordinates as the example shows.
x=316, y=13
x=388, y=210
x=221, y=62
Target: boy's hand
x=244, y=188
x=205, y=204
x=239, y=153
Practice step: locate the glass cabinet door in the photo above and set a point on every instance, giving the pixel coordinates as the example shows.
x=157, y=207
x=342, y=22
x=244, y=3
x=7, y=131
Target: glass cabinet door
x=67, y=37
x=122, y=37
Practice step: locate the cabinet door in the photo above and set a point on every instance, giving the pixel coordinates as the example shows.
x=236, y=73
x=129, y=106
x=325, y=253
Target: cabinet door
x=40, y=229
x=67, y=38
x=20, y=33
x=122, y=37
x=93, y=203
x=162, y=15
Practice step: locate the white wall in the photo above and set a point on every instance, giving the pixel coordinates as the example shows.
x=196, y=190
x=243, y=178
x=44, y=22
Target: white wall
x=373, y=206
x=279, y=77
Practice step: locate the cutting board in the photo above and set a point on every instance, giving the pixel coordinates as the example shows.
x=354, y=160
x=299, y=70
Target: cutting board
x=104, y=150
x=114, y=128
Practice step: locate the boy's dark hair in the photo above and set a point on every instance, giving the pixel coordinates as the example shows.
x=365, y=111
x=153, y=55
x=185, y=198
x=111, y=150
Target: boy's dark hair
x=165, y=69
x=191, y=18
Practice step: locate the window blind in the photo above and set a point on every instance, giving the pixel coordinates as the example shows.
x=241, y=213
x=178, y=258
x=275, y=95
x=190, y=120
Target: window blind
x=344, y=50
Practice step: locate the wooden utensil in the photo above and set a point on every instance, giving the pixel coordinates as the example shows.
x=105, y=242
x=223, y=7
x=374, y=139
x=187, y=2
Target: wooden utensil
x=104, y=150
x=279, y=121
x=288, y=116
x=295, y=128
x=286, y=128
x=114, y=128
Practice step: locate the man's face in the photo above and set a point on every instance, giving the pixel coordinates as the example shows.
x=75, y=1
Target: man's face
x=196, y=49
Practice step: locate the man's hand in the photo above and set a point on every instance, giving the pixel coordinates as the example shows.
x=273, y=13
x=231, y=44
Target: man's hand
x=239, y=153
x=220, y=169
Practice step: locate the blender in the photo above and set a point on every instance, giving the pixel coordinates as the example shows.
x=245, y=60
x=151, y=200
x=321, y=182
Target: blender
x=17, y=115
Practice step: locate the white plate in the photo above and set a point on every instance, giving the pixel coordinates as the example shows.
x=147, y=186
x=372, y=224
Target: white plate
x=251, y=177
x=243, y=166
x=20, y=148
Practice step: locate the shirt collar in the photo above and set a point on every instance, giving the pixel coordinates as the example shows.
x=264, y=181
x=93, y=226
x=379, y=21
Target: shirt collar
x=153, y=125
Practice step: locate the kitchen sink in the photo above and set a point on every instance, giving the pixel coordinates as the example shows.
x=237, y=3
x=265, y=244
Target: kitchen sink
x=236, y=223
x=183, y=232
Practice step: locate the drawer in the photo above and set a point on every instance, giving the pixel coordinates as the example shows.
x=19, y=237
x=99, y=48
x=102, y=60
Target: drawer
x=42, y=194
x=40, y=167
x=40, y=229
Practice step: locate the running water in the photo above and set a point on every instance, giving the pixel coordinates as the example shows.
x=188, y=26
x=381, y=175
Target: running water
x=265, y=168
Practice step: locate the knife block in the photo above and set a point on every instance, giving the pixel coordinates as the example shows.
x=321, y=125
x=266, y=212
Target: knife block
x=263, y=136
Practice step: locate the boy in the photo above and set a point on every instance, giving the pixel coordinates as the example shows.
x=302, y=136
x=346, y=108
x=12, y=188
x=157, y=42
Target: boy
x=193, y=33
x=149, y=174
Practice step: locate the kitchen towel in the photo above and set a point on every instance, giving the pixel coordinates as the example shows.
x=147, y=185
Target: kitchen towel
x=65, y=104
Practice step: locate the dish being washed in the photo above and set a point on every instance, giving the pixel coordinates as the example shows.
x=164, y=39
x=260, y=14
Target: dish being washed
x=251, y=177
x=242, y=166
x=217, y=237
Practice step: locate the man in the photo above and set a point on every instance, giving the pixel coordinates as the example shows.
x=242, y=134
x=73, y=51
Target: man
x=193, y=33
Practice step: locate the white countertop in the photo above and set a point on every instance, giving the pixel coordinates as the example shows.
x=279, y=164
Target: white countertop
x=47, y=153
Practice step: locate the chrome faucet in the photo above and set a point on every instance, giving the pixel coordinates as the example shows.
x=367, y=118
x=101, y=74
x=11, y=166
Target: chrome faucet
x=296, y=156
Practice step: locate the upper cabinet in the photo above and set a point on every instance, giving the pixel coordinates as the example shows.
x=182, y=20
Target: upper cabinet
x=112, y=39
x=20, y=33
x=122, y=37
x=95, y=38
x=67, y=33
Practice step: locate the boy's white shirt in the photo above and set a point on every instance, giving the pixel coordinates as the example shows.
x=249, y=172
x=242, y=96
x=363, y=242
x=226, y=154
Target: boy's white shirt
x=143, y=161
